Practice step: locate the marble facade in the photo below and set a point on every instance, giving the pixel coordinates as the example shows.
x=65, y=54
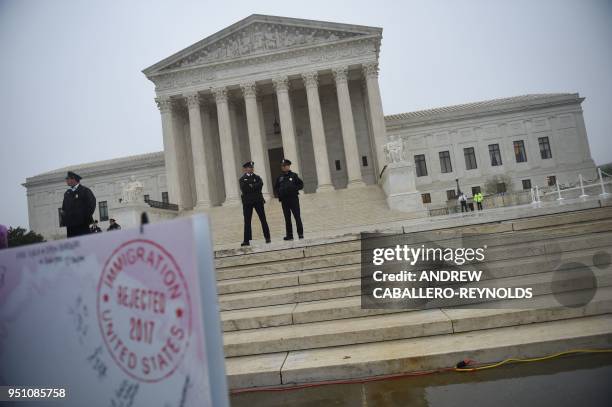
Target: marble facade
x=224, y=99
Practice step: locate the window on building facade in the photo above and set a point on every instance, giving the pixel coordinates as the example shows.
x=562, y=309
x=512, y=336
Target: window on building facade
x=495, y=155
x=551, y=180
x=146, y=198
x=445, y=162
x=470, y=158
x=103, y=209
x=501, y=187
x=59, y=217
x=475, y=190
x=545, y=152
x=165, y=197
x=451, y=194
x=519, y=151
x=526, y=184
x=338, y=167
x=364, y=160
x=426, y=198
x=421, y=165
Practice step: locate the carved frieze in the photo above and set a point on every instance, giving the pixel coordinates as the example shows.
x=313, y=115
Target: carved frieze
x=260, y=38
x=208, y=75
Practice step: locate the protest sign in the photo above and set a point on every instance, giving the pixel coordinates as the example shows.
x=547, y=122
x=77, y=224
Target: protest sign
x=124, y=318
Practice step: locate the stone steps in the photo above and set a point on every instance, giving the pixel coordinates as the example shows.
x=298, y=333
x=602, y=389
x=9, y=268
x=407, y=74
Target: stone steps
x=352, y=287
x=500, y=263
x=321, y=211
x=506, y=231
x=350, y=307
x=408, y=325
x=291, y=311
x=339, y=254
x=419, y=354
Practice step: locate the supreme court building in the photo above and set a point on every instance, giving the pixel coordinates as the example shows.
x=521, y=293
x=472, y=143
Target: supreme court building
x=266, y=88
x=270, y=87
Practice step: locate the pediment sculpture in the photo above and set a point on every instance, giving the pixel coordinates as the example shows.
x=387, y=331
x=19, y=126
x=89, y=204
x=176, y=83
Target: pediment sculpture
x=260, y=38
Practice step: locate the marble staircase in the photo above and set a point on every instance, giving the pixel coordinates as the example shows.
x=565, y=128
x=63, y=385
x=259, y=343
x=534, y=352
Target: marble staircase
x=292, y=314
x=321, y=212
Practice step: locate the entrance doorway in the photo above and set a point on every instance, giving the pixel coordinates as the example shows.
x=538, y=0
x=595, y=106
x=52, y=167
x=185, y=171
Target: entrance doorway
x=275, y=155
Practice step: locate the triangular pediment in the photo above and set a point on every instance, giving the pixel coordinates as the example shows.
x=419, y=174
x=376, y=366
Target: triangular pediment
x=258, y=35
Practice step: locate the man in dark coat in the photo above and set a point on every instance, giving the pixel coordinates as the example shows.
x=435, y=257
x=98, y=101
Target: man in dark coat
x=252, y=198
x=113, y=225
x=287, y=188
x=78, y=206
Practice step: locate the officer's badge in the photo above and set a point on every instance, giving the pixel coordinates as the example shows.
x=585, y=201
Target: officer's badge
x=76, y=196
x=290, y=179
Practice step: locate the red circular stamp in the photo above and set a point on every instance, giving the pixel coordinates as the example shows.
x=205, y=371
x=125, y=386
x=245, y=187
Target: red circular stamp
x=144, y=310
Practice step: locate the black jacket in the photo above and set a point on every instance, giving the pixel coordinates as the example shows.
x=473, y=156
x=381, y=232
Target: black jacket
x=287, y=185
x=250, y=187
x=78, y=207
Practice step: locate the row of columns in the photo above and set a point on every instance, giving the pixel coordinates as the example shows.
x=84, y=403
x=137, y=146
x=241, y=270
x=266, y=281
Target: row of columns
x=199, y=125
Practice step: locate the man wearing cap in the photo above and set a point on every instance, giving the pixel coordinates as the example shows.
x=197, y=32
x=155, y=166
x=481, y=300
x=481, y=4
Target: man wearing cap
x=78, y=206
x=287, y=187
x=113, y=225
x=252, y=198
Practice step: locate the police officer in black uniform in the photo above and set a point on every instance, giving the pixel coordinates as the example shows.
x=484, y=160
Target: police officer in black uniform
x=287, y=188
x=252, y=198
x=78, y=206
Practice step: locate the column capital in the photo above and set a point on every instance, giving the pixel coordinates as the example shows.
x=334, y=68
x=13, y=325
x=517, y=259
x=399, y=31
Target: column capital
x=311, y=79
x=340, y=74
x=220, y=94
x=164, y=104
x=281, y=83
x=249, y=89
x=193, y=99
x=370, y=70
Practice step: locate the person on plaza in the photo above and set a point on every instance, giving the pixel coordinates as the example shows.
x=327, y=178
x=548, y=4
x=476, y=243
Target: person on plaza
x=286, y=188
x=94, y=228
x=463, y=202
x=3, y=237
x=113, y=225
x=78, y=207
x=252, y=198
x=478, y=199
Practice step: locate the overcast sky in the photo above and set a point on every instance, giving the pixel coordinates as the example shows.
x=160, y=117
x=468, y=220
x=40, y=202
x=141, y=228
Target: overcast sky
x=72, y=90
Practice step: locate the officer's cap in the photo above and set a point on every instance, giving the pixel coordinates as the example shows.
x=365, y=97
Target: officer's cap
x=248, y=164
x=73, y=176
x=284, y=161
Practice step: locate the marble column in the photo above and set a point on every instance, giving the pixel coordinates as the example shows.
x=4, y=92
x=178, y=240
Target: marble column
x=317, y=130
x=228, y=157
x=198, y=151
x=173, y=182
x=262, y=126
x=256, y=140
x=285, y=112
x=349, y=135
x=377, y=118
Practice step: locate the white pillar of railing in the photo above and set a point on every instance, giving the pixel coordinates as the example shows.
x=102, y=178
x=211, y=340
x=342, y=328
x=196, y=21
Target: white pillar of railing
x=533, y=199
x=601, y=182
x=582, y=194
x=537, y=192
x=560, y=198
